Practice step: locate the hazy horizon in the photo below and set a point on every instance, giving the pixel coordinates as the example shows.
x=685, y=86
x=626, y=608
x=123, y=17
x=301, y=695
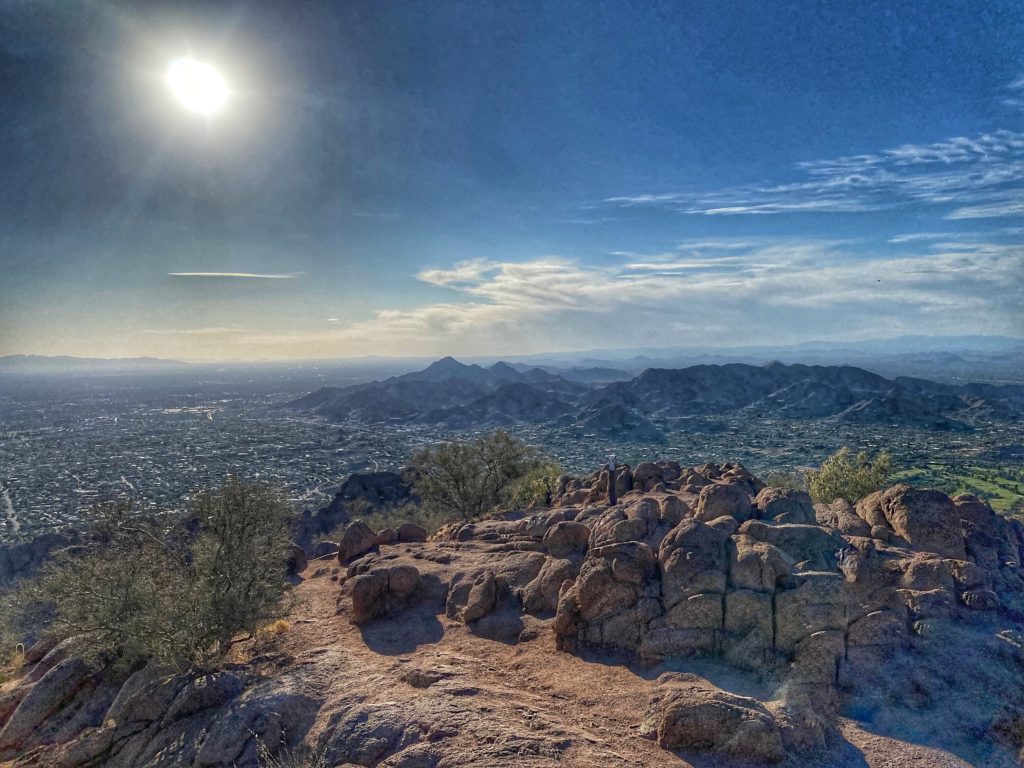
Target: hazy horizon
x=890, y=345
x=401, y=180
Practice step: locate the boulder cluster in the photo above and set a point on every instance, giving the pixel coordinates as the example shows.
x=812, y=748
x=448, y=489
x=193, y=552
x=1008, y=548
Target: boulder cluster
x=708, y=561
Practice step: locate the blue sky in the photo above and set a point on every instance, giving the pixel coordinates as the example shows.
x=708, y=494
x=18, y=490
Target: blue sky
x=489, y=177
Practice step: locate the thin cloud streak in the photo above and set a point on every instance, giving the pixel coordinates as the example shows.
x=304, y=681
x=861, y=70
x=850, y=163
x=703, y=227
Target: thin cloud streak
x=241, y=275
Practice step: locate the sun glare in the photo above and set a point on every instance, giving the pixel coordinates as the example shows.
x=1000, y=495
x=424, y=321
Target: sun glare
x=198, y=86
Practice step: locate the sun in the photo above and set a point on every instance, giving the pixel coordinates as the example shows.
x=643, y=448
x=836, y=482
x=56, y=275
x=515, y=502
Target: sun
x=197, y=85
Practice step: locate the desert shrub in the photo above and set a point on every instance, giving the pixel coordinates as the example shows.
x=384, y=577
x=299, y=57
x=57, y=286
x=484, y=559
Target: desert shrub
x=844, y=475
x=236, y=573
x=428, y=517
x=793, y=479
x=174, y=588
x=469, y=479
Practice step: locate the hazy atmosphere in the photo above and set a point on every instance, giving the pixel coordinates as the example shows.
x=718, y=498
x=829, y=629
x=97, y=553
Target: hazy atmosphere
x=506, y=178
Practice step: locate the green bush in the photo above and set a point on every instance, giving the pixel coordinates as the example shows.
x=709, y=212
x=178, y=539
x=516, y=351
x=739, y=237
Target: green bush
x=176, y=589
x=469, y=479
x=845, y=476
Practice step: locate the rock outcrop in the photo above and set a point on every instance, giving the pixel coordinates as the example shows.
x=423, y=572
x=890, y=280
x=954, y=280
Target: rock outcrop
x=880, y=610
x=709, y=562
x=79, y=715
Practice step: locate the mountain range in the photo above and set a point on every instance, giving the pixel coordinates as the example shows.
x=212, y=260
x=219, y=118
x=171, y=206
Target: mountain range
x=458, y=396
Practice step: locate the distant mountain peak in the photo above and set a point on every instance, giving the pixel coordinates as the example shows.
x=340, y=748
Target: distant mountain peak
x=447, y=363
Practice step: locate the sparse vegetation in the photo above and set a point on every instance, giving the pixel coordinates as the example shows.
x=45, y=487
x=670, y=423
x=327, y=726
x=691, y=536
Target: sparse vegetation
x=299, y=757
x=469, y=479
x=844, y=475
x=429, y=517
x=792, y=479
x=171, y=588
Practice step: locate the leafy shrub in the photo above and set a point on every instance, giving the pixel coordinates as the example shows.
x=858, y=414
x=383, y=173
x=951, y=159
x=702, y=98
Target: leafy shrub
x=171, y=588
x=470, y=479
x=845, y=476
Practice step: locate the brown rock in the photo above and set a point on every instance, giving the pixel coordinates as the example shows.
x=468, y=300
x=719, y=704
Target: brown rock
x=809, y=544
x=840, y=515
x=927, y=519
x=599, y=593
x=566, y=539
x=481, y=597
x=726, y=524
x=387, y=536
x=816, y=658
x=696, y=612
x=646, y=472
x=717, y=500
x=673, y=510
x=693, y=560
x=690, y=713
x=44, y=700
x=368, y=593
x=357, y=539
x=756, y=565
x=541, y=594
x=410, y=532
x=403, y=580
x=884, y=627
x=785, y=505
x=748, y=628
x=815, y=604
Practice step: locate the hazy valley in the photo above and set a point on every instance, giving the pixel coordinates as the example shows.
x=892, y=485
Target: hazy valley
x=77, y=435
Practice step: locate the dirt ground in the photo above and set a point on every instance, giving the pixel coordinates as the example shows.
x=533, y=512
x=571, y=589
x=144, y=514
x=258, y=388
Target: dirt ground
x=484, y=702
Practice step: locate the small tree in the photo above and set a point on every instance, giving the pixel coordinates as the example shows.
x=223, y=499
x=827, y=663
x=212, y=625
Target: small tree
x=845, y=476
x=174, y=589
x=237, y=569
x=470, y=479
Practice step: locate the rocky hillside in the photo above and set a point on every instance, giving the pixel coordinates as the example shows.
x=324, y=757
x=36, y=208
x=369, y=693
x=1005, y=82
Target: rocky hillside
x=703, y=620
x=454, y=395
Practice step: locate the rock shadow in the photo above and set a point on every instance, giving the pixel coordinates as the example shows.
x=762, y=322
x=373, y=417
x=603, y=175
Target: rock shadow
x=405, y=633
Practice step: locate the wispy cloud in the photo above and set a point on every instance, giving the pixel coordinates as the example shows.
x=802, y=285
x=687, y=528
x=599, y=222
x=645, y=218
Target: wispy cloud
x=1015, y=97
x=1007, y=208
x=462, y=273
x=777, y=288
x=728, y=290
x=979, y=177
x=242, y=275
x=216, y=330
